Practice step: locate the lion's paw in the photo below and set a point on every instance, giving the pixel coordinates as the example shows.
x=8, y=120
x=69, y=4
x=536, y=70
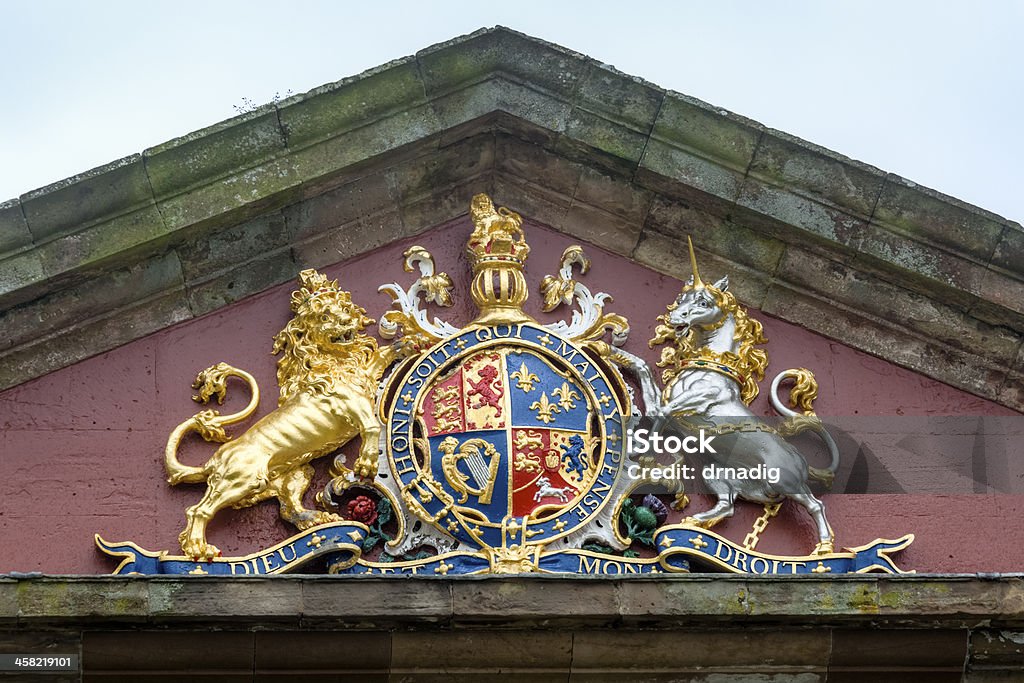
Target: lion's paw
x=327, y=517
x=200, y=550
x=316, y=519
x=366, y=468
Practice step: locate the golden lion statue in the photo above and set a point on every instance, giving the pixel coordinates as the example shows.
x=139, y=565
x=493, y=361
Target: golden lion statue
x=328, y=376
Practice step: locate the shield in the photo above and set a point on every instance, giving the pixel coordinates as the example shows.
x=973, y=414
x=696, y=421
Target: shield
x=506, y=435
x=509, y=431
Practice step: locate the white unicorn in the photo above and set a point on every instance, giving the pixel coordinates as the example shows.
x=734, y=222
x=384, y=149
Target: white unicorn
x=711, y=375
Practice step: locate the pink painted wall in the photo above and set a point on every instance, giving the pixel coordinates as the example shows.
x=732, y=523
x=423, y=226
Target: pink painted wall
x=81, y=448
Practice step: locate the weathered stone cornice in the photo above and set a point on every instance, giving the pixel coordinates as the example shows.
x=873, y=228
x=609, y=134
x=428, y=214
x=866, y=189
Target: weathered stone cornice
x=818, y=239
x=929, y=600
x=870, y=628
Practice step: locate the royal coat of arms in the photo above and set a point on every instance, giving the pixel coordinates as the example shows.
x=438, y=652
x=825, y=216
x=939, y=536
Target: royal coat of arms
x=500, y=447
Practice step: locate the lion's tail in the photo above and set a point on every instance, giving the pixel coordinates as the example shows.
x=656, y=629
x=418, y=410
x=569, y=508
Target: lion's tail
x=209, y=424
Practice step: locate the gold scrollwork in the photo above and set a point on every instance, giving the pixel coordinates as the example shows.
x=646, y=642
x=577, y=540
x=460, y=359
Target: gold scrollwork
x=591, y=322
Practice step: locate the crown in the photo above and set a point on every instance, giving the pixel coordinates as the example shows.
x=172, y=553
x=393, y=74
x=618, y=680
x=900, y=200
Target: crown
x=497, y=237
x=497, y=250
x=312, y=284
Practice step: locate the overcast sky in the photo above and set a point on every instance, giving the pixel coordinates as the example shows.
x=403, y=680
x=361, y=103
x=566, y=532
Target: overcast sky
x=929, y=90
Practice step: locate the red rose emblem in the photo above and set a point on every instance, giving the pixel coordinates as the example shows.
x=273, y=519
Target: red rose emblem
x=362, y=509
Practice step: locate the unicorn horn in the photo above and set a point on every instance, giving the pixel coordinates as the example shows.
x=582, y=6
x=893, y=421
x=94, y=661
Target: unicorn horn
x=697, y=284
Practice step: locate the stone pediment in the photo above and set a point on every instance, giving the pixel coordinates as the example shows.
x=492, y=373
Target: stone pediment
x=814, y=238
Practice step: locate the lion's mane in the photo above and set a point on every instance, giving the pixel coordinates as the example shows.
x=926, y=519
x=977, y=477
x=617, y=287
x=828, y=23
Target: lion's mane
x=312, y=364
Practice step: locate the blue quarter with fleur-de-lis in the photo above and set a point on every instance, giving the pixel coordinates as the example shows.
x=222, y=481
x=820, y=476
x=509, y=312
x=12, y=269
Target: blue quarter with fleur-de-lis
x=550, y=400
